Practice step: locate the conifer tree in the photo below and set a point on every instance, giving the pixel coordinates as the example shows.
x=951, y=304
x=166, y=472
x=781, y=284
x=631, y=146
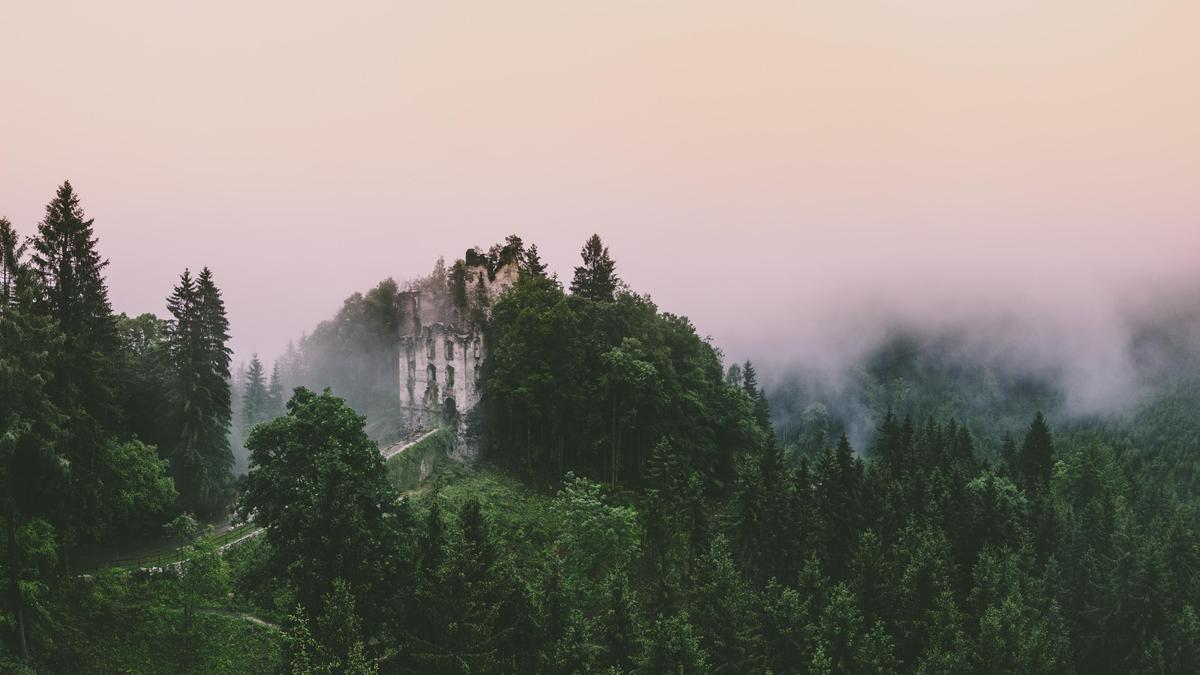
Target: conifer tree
x=70, y=269
x=1036, y=457
x=532, y=264
x=256, y=401
x=750, y=379
x=275, y=392
x=197, y=336
x=32, y=469
x=620, y=625
x=839, y=480
x=1008, y=457
x=762, y=411
x=11, y=252
x=596, y=278
x=671, y=646
x=214, y=364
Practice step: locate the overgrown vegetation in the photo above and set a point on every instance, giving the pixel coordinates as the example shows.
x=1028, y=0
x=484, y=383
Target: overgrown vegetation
x=410, y=468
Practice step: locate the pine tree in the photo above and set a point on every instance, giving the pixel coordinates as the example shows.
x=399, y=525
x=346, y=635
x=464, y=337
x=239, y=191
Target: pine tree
x=197, y=336
x=722, y=611
x=620, y=625
x=256, y=402
x=596, y=278
x=1036, y=457
x=762, y=411
x=750, y=379
x=65, y=259
x=839, y=482
x=671, y=646
x=275, y=392
x=215, y=357
x=533, y=265
x=11, y=252
x=1008, y=457
x=32, y=469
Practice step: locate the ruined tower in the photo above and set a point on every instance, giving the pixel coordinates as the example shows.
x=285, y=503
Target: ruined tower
x=442, y=348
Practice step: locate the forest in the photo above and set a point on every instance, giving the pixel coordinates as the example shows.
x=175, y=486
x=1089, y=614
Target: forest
x=638, y=505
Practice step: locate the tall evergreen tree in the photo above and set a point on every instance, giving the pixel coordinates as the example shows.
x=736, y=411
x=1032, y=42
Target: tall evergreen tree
x=750, y=379
x=275, y=392
x=1036, y=457
x=532, y=263
x=197, y=336
x=215, y=359
x=11, y=252
x=31, y=466
x=65, y=259
x=596, y=278
x=256, y=402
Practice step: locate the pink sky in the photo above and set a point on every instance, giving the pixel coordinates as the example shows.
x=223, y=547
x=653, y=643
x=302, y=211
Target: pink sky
x=757, y=166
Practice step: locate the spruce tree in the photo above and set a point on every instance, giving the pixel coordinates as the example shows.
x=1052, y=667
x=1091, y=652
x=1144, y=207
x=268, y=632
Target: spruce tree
x=255, y=400
x=275, y=392
x=32, y=470
x=596, y=278
x=215, y=358
x=70, y=269
x=750, y=379
x=11, y=252
x=1036, y=457
x=197, y=336
x=532, y=264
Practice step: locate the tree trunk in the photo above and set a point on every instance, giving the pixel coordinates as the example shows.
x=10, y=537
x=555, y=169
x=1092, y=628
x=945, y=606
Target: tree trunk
x=14, y=559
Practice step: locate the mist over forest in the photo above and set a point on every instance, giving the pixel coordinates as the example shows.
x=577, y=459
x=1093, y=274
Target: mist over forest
x=990, y=368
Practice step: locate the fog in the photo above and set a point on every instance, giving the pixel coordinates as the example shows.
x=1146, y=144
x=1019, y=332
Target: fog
x=798, y=178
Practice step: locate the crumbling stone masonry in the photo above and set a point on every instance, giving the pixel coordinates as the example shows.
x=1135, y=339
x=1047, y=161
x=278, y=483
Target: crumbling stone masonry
x=442, y=351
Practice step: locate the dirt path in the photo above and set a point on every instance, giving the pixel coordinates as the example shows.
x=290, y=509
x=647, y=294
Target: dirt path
x=397, y=448
x=243, y=616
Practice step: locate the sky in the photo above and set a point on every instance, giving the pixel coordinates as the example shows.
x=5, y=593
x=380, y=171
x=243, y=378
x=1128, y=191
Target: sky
x=776, y=171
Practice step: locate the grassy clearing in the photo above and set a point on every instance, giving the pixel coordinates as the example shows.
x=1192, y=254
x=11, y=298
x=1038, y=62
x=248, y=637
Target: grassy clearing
x=520, y=516
x=120, y=624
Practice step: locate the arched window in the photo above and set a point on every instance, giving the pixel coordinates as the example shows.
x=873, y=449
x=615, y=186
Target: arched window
x=449, y=378
x=449, y=349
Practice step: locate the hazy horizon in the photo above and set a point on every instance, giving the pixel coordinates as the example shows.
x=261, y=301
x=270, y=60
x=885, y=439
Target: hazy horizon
x=790, y=178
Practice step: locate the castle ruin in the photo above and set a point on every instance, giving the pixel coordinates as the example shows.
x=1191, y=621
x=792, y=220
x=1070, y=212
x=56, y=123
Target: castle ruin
x=443, y=347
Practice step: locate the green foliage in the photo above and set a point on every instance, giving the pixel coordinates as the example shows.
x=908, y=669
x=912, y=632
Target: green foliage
x=137, y=490
x=671, y=646
x=256, y=400
x=634, y=510
x=201, y=459
x=410, y=468
x=596, y=537
x=318, y=485
x=596, y=278
x=576, y=384
x=355, y=354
